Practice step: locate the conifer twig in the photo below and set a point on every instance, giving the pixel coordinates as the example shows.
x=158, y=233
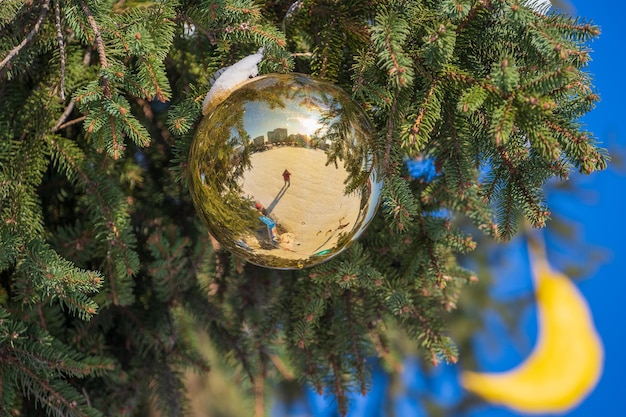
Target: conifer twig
x=526, y=193
x=390, y=129
x=472, y=13
x=353, y=340
x=259, y=391
x=54, y=397
x=57, y=18
x=420, y=116
x=281, y=367
x=64, y=116
x=42, y=15
x=71, y=122
x=457, y=149
x=96, y=32
x=99, y=44
x=340, y=394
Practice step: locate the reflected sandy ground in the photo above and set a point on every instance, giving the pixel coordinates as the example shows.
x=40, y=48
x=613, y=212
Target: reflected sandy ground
x=312, y=212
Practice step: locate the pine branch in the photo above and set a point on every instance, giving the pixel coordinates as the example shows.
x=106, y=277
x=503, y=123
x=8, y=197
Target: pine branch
x=540, y=213
x=460, y=180
x=53, y=399
x=60, y=124
x=418, y=133
x=472, y=14
x=390, y=137
x=98, y=40
x=432, y=256
x=340, y=393
x=70, y=123
x=358, y=359
x=120, y=259
x=259, y=394
x=485, y=93
x=45, y=7
x=388, y=35
x=57, y=19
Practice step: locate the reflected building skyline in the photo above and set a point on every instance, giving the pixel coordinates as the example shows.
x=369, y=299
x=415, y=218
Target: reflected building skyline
x=277, y=135
x=281, y=136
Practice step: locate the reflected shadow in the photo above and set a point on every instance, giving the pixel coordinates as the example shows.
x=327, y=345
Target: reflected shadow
x=280, y=195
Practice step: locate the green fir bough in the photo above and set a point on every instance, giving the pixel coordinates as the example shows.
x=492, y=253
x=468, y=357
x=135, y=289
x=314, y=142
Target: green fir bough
x=107, y=278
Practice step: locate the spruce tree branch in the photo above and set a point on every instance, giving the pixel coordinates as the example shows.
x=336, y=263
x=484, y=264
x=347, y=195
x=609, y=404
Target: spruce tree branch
x=398, y=70
x=110, y=272
x=577, y=139
x=170, y=258
x=159, y=93
x=353, y=340
x=163, y=345
x=252, y=11
x=515, y=177
x=434, y=260
x=42, y=15
x=383, y=351
x=469, y=80
x=339, y=391
x=457, y=150
x=281, y=367
x=98, y=36
x=488, y=193
x=119, y=36
x=390, y=128
x=424, y=323
x=259, y=31
x=42, y=319
x=93, y=188
x=472, y=13
x=310, y=369
x=87, y=400
x=259, y=395
x=586, y=28
x=71, y=122
x=508, y=229
x=115, y=143
x=420, y=115
x=64, y=116
x=557, y=44
x=57, y=18
x=58, y=364
x=54, y=398
x=241, y=354
x=99, y=45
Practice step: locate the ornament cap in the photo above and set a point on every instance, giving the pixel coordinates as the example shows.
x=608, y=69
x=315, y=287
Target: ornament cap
x=228, y=79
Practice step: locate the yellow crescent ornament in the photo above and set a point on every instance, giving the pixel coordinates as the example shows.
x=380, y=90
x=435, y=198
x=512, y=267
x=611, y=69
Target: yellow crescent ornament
x=567, y=360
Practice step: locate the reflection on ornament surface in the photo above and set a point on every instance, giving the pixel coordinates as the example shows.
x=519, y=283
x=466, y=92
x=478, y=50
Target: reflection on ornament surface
x=284, y=172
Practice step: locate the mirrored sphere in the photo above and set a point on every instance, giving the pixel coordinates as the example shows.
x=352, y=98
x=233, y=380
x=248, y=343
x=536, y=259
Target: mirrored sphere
x=284, y=172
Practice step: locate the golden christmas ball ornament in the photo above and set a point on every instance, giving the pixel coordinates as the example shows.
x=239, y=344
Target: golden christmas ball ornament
x=283, y=170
